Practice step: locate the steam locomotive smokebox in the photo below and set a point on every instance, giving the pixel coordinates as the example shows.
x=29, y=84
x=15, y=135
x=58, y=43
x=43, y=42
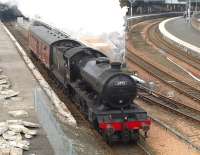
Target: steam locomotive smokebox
x=114, y=88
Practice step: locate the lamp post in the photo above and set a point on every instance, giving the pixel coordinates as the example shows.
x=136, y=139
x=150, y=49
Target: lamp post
x=132, y=1
x=131, y=9
x=196, y=6
x=189, y=10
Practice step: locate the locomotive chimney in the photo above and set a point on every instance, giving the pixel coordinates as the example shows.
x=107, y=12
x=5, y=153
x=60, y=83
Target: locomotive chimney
x=115, y=65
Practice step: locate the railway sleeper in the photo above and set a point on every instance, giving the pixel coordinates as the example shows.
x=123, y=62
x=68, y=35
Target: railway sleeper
x=126, y=136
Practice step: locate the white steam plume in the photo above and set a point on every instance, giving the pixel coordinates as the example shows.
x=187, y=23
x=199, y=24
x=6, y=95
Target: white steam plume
x=89, y=16
x=78, y=17
x=9, y=2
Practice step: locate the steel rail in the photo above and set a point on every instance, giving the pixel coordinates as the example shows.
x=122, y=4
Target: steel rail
x=155, y=37
x=171, y=105
x=163, y=76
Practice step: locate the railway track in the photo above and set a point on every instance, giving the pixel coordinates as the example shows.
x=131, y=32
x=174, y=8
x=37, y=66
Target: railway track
x=155, y=37
x=170, y=104
x=130, y=149
x=180, y=86
x=185, y=113
x=184, y=110
x=163, y=76
x=141, y=146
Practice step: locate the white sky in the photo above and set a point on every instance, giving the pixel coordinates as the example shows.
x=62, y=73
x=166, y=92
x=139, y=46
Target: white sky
x=91, y=16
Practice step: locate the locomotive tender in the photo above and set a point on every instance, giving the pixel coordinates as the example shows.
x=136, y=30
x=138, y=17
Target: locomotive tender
x=103, y=91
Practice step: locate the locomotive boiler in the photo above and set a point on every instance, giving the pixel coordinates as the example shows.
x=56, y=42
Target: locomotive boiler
x=103, y=90
x=114, y=88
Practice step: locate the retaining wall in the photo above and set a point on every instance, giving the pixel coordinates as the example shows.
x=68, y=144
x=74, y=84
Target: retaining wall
x=136, y=19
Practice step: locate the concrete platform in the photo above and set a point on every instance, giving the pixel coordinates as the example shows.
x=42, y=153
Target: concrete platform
x=22, y=80
x=181, y=33
x=184, y=31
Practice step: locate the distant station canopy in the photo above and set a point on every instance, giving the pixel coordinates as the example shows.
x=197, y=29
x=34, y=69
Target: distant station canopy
x=170, y=1
x=192, y=1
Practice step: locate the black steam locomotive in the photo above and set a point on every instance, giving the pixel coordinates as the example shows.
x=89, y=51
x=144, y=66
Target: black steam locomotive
x=103, y=90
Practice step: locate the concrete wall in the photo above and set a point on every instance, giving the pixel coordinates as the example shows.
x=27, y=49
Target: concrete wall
x=136, y=19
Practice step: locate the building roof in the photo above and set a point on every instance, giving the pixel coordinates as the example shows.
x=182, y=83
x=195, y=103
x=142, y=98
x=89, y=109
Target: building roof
x=47, y=35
